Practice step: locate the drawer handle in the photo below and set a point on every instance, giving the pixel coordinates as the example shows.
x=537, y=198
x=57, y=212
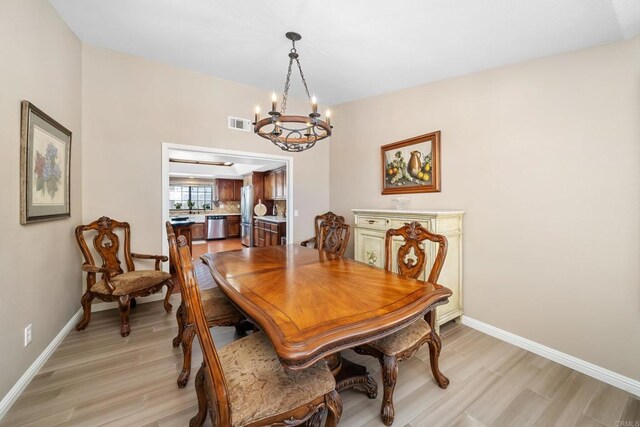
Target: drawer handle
x=371, y=221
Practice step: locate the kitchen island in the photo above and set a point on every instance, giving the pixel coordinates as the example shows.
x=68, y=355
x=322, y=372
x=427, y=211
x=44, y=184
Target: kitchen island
x=269, y=230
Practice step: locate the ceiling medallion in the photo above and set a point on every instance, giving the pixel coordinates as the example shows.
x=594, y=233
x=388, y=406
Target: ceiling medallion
x=293, y=133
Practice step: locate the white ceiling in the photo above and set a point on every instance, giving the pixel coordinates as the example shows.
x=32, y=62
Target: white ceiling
x=241, y=165
x=349, y=49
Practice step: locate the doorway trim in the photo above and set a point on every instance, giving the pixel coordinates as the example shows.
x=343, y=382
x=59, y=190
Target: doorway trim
x=166, y=146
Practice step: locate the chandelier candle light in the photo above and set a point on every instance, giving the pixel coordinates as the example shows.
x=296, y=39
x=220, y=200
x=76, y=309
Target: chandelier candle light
x=292, y=133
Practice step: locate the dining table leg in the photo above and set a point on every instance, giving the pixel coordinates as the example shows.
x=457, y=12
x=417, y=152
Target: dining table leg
x=350, y=375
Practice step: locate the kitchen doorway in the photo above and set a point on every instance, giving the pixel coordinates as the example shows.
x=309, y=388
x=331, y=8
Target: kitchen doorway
x=203, y=185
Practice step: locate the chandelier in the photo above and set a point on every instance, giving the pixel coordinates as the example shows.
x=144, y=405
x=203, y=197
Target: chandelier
x=292, y=133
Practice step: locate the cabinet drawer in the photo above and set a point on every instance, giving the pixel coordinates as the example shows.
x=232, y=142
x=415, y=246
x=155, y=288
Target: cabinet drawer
x=373, y=222
x=400, y=222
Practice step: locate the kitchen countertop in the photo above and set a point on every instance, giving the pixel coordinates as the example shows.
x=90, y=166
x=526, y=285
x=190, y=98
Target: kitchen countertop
x=181, y=223
x=272, y=218
x=205, y=214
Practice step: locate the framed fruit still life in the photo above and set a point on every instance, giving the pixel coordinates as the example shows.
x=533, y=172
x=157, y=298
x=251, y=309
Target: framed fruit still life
x=412, y=165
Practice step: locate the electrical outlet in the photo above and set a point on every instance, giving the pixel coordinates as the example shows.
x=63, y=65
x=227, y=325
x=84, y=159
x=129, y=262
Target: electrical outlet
x=295, y=212
x=27, y=335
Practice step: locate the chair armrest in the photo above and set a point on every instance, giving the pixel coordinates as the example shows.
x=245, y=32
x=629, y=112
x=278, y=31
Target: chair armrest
x=309, y=243
x=158, y=258
x=107, y=273
x=95, y=269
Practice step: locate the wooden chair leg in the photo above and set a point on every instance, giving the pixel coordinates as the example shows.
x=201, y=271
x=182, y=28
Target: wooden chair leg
x=389, y=366
x=334, y=406
x=124, y=305
x=167, y=306
x=203, y=403
x=316, y=419
x=243, y=326
x=180, y=318
x=187, y=342
x=435, y=345
x=86, y=307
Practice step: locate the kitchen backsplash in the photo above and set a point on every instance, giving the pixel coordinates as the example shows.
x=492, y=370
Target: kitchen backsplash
x=281, y=207
x=224, y=208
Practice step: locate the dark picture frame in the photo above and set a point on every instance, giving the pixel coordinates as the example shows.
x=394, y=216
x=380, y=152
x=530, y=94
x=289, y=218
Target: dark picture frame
x=412, y=165
x=45, y=167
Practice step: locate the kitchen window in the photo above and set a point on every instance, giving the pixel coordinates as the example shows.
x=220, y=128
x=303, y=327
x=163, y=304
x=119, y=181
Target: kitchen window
x=199, y=194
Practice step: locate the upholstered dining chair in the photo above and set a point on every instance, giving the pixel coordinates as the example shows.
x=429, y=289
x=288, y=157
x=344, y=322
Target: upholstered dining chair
x=332, y=234
x=244, y=384
x=217, y=308
x=401, y=345
x=116, y=284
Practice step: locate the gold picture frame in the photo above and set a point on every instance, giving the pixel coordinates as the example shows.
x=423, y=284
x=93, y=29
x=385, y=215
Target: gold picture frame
x=412, y=165
x=45, y=167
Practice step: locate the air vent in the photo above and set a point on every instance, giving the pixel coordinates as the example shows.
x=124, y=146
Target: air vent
x=239, y=124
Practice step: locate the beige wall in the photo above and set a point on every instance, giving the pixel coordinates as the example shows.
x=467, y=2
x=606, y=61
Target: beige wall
x=39, y=263
x=544, y=157
x=132, y=105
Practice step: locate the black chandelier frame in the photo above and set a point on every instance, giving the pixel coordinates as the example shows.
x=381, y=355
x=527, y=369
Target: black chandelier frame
x=281, y=128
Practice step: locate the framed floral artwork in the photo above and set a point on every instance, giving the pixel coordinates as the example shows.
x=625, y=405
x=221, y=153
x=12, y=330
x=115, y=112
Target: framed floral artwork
x=412, y=165
x=45, y=166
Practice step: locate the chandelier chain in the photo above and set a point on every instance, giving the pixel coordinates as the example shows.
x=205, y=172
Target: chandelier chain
x=285, y=95
x=304, y=81
x=293, y=54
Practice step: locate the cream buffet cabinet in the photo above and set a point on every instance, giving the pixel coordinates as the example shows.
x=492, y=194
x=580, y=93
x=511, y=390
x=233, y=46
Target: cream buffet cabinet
x=371, y=226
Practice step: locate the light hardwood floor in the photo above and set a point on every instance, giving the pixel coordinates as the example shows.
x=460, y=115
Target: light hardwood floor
x=204, y=247
x=97, y=378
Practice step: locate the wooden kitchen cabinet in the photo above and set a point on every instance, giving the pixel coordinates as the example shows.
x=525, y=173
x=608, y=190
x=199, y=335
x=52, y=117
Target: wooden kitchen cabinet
x=275, y=184
x=198, y=231
x=257, y=180
x=225, y=189
x=229, y=190
x=258, y=235
x=269, y=185
x=233, y=226
x=279, y=183
x=237, y=189
x=268, y=233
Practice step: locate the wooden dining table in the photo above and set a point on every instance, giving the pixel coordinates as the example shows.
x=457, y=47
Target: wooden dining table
x=312, y=304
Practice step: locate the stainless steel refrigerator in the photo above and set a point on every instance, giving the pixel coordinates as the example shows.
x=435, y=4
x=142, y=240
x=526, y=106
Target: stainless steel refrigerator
x=246, y=209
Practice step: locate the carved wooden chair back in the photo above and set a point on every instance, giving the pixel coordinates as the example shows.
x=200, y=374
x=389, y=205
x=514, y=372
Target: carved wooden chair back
x=334, y=235
x=177, y=265
x=107, y=245
x=213, y=373
x=324, y=217
x=414, y=237
x=173, y=250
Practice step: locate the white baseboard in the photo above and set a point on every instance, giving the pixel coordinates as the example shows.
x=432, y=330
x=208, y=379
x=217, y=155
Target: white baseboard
x=31, y=372
x=102, y=306
x=587, y=368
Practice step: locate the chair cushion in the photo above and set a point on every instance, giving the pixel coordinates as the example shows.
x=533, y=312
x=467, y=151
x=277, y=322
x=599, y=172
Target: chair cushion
x=217, y=306
x=405, y=338
x=259, y=387
x=132, y=281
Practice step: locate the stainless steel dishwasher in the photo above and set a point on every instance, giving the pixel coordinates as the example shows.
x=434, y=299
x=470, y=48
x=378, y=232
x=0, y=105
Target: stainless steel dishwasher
x=216, y=227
